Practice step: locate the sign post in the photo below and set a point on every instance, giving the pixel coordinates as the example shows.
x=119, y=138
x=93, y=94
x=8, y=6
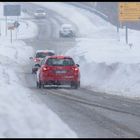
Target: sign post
x=129, y=12
x=11, y=36
x=11, y=27
x=11, y=10
x=126, y=35
x=16, y=24
x=6, y=25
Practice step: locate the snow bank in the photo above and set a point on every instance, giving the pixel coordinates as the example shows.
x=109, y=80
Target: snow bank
x=21, y=115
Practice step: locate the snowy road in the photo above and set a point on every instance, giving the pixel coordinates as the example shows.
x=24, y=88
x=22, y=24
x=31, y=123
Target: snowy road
x=87, y=113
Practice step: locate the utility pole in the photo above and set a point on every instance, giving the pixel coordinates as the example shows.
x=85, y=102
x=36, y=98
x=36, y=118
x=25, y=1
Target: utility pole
x=6, y=25
x=126, y=34
x=11, y=35
x=118, y=27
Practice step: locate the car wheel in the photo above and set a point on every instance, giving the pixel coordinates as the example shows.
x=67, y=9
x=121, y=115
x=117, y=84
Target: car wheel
x=75, y=85
x=32, y=72
x=43, y=86
x=39, y=85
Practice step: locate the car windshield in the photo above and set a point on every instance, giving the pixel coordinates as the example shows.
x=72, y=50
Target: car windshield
x=43, y=55
x=60, y=62
x=66, y=28
x=40, y=11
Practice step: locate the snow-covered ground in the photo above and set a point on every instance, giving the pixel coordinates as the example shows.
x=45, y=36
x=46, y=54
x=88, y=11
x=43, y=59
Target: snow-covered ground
x=20, y=114
x=107, y=64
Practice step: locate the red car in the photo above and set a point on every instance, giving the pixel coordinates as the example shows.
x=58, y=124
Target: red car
x=58, y=70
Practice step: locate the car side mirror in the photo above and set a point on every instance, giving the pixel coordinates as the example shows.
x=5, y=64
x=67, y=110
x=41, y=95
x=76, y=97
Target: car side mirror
x=77, y=65
x=30, y=57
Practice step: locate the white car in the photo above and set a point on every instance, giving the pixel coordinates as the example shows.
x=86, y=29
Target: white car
x=40, y=13
x=66, y=30
x=39, y=56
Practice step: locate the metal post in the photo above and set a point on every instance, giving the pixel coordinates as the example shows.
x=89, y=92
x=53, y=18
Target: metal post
x=16, y=28
x=11, y=35
x=6, y=25
x=16, y=33
x=118, y=27
x=0, y=28
x=126, y=29
x=118, y=22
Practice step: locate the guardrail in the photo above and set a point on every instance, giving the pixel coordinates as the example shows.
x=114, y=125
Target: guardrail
x=90, y=8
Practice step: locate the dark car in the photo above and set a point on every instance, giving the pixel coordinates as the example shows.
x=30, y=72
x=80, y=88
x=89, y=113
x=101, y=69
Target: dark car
x=39, y=56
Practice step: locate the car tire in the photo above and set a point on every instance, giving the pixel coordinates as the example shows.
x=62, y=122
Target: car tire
x=75, y=85
x=32, y=72
x=39, y=85
x=43, y=86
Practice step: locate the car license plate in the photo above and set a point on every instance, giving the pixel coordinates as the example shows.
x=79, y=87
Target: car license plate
x=60, y=71
x=68, y=76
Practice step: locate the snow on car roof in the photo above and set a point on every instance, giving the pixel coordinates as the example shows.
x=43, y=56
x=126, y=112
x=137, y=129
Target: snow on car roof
x=66, y=25
x=45, y=51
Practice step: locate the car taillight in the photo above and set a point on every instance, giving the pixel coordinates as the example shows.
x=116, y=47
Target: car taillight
x=45, y=69
x=36, y=60
x=76, y=69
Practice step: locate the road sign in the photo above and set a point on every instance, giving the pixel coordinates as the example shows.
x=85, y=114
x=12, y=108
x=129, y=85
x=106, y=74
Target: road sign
x=11, y=26
x=129, y=11
x=12, y=10
x=16, y=24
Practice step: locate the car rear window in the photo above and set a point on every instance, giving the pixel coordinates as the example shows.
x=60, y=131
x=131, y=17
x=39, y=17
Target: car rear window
x=43, y=55
x=66, y=28
x=40, y=11
x=60, y=62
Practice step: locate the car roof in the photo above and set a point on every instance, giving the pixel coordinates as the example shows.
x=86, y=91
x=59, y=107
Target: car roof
x=44, y=51
x=59, y=56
